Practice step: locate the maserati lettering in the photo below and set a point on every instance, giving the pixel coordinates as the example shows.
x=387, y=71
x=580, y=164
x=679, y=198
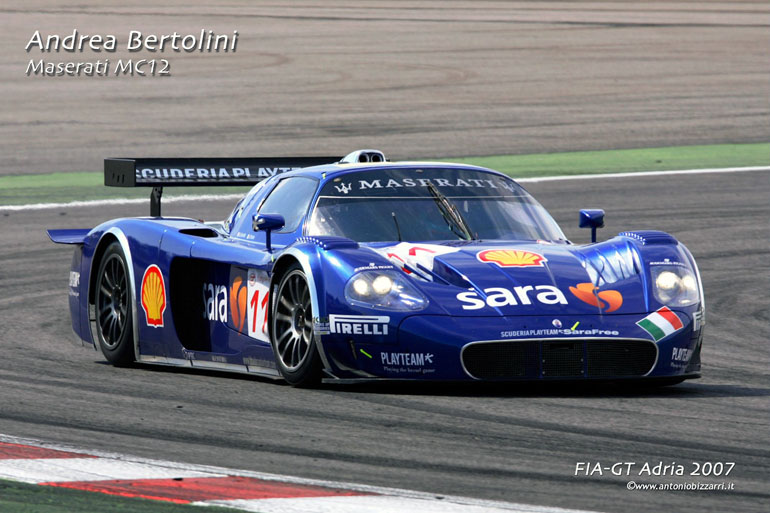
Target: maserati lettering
x=438, y=182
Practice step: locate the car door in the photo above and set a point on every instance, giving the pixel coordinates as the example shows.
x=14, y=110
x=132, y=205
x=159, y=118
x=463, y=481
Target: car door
x=226, y=281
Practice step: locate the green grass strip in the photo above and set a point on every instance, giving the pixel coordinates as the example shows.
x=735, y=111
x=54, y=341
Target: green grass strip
x=625, y=161
x=66, y=187
x=27, y=498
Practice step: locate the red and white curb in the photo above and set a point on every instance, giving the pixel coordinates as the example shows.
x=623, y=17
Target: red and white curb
x=42, y=463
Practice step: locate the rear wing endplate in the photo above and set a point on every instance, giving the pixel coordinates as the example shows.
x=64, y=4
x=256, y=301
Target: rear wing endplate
x=69, y=236
x=190, y=172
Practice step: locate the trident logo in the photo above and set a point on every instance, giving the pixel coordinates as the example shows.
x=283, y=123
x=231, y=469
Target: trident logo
x=343, y=188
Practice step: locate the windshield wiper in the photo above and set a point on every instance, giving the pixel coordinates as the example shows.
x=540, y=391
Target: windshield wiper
x=451, y=215
x=398, y=228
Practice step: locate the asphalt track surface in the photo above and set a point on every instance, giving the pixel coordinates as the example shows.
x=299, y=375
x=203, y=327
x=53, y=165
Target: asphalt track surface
x=415, y=79
x=516, y=443
x=432, y=80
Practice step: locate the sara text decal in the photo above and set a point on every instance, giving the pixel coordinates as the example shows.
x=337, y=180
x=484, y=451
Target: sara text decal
x=498, y=296
x=214, y=302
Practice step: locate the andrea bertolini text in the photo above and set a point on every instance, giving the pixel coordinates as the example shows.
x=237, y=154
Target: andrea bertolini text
x=207, y=41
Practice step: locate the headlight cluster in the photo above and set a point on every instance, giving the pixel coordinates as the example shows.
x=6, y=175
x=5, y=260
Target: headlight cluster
x=384, y=290
x=675, y=285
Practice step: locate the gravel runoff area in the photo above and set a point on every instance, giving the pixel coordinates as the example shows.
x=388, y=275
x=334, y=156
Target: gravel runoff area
x=415, y=79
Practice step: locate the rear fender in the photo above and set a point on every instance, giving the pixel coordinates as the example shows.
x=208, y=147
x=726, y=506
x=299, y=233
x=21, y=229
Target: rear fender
x=110, y=235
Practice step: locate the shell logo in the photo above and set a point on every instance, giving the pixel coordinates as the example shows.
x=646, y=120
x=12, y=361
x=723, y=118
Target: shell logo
x=153, y=296
x=606, y=300
x=512, y=258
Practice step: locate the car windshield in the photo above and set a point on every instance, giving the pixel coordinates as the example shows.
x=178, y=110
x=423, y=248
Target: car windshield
x=429, y=204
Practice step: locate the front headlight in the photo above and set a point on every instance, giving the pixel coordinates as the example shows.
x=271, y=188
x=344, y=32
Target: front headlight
x=675, y=285
x=384, y=290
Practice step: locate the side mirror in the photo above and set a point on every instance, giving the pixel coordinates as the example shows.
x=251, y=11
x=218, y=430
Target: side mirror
x=592, y=218
x=267, y=223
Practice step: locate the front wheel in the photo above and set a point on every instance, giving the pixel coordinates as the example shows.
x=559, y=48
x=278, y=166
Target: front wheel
x=292, y=330
x=114, y=321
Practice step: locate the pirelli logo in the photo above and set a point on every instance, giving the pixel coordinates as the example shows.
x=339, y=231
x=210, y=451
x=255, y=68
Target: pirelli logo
x=359, y=324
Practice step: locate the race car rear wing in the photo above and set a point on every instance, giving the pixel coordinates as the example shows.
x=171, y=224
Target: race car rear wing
x=164, y=172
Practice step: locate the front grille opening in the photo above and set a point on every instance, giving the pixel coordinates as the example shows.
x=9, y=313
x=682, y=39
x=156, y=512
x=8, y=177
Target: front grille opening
x=532, y=359
x=562, y=359
x=502, y=360
x=631, y=358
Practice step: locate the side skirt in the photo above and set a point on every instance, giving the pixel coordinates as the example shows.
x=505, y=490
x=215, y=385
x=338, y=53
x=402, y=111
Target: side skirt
x=218, y=366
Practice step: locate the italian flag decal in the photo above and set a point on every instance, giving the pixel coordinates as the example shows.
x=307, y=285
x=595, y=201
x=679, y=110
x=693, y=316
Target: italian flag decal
x=661, y=323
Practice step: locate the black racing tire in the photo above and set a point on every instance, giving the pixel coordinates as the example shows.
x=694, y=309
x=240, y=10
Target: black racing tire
x=114, y=317
x=291, y=330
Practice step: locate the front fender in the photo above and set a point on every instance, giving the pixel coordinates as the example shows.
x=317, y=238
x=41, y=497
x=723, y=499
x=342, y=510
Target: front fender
x=308, y=257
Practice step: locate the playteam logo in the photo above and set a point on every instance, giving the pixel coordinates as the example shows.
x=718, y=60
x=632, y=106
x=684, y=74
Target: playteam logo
x=407, y=359
x=681, y=354
x=153, y=296
x=511, y=258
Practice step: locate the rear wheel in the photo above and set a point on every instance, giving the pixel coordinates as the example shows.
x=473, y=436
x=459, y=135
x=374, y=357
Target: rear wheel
x=114, y=321
x=292, y=330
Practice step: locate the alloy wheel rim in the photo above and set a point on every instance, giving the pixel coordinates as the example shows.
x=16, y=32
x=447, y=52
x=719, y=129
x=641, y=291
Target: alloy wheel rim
x=112, y=301
x=293, y=323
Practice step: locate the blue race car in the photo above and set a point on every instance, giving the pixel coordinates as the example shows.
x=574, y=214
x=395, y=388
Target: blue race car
x=361, y=269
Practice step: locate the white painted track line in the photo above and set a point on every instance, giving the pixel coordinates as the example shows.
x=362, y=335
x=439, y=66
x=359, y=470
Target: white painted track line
x=637, y=174
x=124, y=201
x=233, y=197
x=89, y=469
x=379, y=504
